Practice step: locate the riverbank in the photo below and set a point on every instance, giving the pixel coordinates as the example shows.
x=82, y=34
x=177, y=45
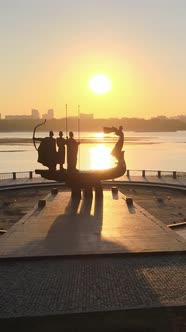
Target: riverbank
x=165, y=204
x=99, y=140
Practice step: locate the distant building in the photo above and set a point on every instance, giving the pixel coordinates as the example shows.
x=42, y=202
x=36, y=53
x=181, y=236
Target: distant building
x=179, y=117
x=86, y=116
x=17, y=117
x=49, y=115
x=35, y=114
x=160, y=117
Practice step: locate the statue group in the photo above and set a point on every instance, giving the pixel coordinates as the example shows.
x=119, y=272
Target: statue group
x=53, y=151
x=56, y=151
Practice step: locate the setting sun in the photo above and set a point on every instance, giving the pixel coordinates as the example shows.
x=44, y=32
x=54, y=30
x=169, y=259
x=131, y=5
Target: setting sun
x=100, y=84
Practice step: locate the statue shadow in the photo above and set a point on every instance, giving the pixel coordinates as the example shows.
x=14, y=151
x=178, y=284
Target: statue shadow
x=78, y=229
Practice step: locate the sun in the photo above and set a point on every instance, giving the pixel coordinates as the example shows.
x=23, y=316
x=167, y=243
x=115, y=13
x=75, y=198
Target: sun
x=100, y=84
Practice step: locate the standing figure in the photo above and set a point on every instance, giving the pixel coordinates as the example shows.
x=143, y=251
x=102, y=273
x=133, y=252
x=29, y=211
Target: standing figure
x=47, y=154
x=116, y=152
x=61, y=149
x=72, y=150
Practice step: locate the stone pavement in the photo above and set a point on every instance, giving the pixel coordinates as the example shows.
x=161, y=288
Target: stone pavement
x=88, y=226
x=92, y=265
x=55, y=286
x=23, y=181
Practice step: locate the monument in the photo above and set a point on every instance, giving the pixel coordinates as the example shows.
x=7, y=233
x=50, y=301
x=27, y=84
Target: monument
x=87, y=180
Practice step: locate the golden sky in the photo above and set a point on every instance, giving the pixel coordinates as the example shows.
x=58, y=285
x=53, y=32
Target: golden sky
x=51, y=49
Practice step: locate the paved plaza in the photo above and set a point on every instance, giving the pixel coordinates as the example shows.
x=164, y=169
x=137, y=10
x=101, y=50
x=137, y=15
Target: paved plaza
x=66, y=226
x=92, y=263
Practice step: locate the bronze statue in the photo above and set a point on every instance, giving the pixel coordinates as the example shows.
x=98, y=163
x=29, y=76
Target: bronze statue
x=116, y=152
x=89, y=178
x=72, y=150
x=61, y=149
x=47, y=154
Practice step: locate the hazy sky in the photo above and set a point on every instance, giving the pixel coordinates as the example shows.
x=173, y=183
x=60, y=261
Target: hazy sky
x=51, y=48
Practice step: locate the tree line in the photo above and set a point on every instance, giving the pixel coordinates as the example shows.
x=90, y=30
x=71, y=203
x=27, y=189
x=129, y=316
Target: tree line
x=129, y=124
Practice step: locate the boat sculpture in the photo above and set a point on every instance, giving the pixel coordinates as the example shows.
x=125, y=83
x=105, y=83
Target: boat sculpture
x=88, y=178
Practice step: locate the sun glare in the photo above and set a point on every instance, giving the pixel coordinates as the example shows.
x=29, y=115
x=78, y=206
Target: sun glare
x=99, y=135
x=100, y=157
x=100, y=84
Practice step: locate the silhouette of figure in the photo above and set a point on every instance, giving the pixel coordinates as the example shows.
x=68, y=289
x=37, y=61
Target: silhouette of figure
x=72, y=150
x=61, y=149
x=47, y=154
x=116, y=152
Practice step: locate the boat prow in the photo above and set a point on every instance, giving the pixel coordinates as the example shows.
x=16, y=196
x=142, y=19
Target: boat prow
x=84, y=178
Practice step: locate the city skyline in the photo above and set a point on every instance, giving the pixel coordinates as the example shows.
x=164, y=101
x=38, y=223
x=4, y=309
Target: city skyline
x=51, y=49
x=36, y=114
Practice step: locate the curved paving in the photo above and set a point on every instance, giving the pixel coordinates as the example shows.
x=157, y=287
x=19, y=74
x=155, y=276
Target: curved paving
x=84, y=284
x=148, y=180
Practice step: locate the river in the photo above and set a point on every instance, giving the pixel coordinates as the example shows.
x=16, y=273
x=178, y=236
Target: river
x=143, y=150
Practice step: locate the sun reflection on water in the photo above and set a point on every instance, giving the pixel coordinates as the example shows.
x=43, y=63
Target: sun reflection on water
x=100, y=157
x=99, y=135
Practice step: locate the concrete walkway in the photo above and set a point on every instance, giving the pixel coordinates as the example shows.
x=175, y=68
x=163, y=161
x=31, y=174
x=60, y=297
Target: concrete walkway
x=88, y=226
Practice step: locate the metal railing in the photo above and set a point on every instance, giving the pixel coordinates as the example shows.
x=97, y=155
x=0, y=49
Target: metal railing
x=18, y=175
x=155, y=173
x=129, y=173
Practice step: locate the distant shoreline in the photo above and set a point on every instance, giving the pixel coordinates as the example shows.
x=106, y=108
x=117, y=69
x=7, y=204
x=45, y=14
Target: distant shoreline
x=157, y=124
x=150, y=130
x=128, y=140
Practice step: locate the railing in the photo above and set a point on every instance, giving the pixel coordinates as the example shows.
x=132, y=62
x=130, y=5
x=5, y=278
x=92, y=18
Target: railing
x=128, y=174
x=156, y=173
x=18, y=175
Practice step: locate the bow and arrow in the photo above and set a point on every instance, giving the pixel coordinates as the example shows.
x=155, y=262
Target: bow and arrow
x=34, y=131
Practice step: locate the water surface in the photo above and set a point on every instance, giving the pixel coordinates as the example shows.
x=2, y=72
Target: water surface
x=144, y=150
